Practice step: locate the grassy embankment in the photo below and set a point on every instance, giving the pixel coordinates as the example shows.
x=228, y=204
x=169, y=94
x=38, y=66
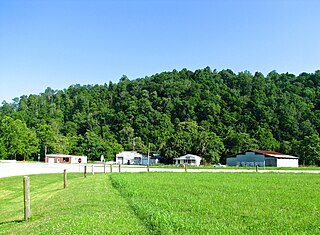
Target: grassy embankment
x=164, y=203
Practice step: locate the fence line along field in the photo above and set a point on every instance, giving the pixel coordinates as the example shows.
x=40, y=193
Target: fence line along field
x=87, y=206
x=164, y=203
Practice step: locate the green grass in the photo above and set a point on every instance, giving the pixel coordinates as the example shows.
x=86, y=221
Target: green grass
x=87, y=206
x=237, y=167
x=224, y=203
x=164, y=203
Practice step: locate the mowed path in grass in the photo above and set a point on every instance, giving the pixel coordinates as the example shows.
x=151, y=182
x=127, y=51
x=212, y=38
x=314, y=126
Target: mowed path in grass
x=164, y=203
x=87, y=206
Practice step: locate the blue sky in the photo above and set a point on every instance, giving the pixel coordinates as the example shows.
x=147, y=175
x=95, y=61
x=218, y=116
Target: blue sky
x=57, y=43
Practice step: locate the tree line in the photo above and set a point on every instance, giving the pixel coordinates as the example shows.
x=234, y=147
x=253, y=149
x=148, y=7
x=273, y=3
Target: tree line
x=205, y=112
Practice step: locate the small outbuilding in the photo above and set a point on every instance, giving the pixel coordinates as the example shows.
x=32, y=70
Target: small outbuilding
x=67, y=159
x=262, y=158
x=188, y=159
x=129, y=158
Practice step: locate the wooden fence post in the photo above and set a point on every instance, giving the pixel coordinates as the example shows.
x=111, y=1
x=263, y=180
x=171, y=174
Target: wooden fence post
x=104, y=168
x=85, y=171
x=64, y=178
x=256, y=168
x=92, y=169
x=110, y=168
x=119, y=167
x=185, y=167
x=148, y=168
x=26, y=191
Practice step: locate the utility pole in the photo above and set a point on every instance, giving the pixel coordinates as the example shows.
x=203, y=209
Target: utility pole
x=133, y=144
x=148, y=154
x=45, y=153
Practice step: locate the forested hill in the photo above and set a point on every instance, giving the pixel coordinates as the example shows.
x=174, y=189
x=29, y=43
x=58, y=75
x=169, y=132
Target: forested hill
x=209, y=113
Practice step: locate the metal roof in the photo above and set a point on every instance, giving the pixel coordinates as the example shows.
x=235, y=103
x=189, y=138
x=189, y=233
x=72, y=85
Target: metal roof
x=265, y=152
x=268, y=153
x=274, y=154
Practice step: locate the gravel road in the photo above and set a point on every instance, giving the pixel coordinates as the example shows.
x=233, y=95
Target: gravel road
x=15, y=169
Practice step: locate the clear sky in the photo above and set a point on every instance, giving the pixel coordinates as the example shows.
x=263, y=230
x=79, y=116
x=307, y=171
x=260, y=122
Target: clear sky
x=57, y=43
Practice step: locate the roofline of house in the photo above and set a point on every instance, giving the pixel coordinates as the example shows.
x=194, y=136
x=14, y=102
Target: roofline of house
x=267, y=153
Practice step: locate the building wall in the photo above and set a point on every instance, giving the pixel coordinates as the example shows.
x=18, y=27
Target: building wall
x=67, y=159
x=84, y=159
x=271, y=161
x=130, y=157
x=59, y=160
x=231, y=161
x=254, y=159
x=190, y=162
x=152, y=161
x=287, y=162
x=246, y=159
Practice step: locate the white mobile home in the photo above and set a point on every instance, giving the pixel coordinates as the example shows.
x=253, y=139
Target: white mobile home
x=262, y=158
x=189, y=159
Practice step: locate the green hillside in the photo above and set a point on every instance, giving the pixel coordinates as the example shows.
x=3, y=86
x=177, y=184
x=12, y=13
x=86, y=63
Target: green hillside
x=208, y=113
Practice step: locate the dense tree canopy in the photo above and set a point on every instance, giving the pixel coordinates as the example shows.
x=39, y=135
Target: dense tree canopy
x=208, y=113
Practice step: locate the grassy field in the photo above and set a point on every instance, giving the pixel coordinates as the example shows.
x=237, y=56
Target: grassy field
x=164, y=203
x=87, y=206
x=224, y=203
x=237, y=167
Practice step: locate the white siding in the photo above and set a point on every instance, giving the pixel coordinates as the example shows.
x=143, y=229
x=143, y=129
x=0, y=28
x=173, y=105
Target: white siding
x=129, y=157
x=75, y=159
x=189, y=159
x=287, y=162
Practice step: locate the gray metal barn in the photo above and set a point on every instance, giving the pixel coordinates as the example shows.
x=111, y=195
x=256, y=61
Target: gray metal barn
x=262, y=158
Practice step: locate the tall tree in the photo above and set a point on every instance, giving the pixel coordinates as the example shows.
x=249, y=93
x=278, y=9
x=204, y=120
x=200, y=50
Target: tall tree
x=19, y=141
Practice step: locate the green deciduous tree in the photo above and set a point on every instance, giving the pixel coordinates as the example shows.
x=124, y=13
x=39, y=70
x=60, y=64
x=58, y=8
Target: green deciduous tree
x=18, y=139
x=309, y=150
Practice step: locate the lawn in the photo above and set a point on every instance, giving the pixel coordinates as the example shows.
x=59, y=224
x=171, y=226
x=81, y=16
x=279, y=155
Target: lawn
x=224, y=203
x=164, y=203
x=301, y=168
x=87, y=206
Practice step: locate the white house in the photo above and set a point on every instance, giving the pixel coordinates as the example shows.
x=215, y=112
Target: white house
x=129, y=157
x=63, y=158
x=262, y=158
x=189, y=159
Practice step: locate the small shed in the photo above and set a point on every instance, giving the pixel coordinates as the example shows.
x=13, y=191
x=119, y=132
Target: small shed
x=67, y=159
x=188, y=159
x=129, y=158
x=262, y=158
